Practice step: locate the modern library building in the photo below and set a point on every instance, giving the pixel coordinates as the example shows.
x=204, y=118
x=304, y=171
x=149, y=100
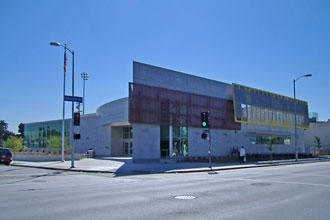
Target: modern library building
x=161, y=119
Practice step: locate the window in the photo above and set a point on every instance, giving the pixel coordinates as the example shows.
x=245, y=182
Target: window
x=266, y=140
x=127, y=132
x=267, y=108
x=252, y=139
x=164, y=141
x=179, y=141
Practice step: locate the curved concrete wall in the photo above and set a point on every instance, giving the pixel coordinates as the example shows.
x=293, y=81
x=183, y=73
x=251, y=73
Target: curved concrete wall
x=115, y=113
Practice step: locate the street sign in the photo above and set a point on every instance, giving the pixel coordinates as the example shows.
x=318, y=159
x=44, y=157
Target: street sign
x=73, y=98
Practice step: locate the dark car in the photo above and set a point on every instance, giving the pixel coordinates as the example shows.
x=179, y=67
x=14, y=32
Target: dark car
x=5, y=156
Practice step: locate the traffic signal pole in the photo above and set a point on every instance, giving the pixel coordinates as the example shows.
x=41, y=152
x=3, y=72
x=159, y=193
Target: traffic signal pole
x=72, y=125
x=205, y=123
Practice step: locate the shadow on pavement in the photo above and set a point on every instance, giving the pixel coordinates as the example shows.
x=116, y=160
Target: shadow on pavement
x=130, y=168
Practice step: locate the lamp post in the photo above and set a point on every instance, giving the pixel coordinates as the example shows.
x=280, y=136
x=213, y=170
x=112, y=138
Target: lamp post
x=72, y=52
x=84, y=76
x=295, y=112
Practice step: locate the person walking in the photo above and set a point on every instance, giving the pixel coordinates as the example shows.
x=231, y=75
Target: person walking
x=242, y=155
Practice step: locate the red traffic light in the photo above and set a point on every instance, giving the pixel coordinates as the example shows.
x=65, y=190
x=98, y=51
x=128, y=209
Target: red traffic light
x=76, y=118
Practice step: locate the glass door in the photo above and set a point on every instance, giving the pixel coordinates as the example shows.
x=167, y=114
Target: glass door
x=127, y=148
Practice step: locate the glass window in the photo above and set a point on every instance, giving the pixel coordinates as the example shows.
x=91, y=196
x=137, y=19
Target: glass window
x=38, y=134
x=127, y=132
x=280, y=108
x=176, y=131
x=287, y=141
x=164, y=141
x=266, y=140
x=164, y=131
x=253, y=139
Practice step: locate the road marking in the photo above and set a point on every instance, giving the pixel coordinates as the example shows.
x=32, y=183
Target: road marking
x=185, y=197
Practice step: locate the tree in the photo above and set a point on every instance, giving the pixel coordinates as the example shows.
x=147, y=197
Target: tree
x=318, y=144
x=13, y=143
x=55, y=143
x=4, y=133
x=270, y=147
x=21, y=130
x=3, y=129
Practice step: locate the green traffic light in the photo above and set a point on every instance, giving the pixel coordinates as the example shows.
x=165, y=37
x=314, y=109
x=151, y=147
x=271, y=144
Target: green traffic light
x=204, y=124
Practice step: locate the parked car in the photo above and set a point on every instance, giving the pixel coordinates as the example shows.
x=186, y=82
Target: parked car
x=5, y=156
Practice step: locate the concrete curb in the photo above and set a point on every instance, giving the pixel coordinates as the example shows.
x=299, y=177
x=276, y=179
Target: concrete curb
x=180, y=170
x=244, y=167
x=63, y=169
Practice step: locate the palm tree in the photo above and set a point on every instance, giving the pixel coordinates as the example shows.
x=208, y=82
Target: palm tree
x=318, y=145
x=270, y=147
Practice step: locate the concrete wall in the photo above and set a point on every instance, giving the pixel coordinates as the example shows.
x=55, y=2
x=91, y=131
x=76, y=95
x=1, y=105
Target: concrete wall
x=99, y=131
x=222, y=142
x=42, y=158
x=114, y=113
x=156, y=76
x=146, y=142
x=271, y=130
x=319, y=129
x=116, y=141
x=93, y=135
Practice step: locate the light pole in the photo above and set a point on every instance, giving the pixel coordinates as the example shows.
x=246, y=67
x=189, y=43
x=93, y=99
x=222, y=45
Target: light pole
x=72, y=52
x=295, y=112
x=84, y=76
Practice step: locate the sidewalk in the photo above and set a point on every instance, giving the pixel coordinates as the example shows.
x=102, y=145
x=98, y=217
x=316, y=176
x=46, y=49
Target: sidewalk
x=125, y=166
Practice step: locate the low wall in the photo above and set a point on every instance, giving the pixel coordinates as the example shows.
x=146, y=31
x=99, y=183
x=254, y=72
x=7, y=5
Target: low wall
x=42, y=158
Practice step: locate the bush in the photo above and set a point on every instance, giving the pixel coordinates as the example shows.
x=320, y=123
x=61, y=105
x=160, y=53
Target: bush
x=13, y=143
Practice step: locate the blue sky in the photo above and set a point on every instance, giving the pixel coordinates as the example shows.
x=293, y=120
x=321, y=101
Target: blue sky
x=263, y=44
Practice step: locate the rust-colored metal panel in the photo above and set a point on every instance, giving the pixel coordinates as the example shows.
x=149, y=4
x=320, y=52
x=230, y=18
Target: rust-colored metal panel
x=153, y=105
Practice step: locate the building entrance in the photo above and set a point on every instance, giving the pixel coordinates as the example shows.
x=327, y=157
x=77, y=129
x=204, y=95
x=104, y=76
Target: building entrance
x=127, y=148
x=173, y=141
x=127, y=141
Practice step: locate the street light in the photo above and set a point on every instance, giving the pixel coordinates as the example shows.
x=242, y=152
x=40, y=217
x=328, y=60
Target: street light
x=72, y=52
x=295, y=112
x=55, y=44
x=84, y=76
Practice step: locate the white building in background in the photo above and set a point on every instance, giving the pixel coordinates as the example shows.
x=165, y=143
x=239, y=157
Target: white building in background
x=161, y=119
x=313, y=116
x=319, y=129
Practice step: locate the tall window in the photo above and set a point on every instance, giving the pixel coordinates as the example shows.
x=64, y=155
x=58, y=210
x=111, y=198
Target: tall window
x=164, y=141
x=179, y=141
x=127, y=133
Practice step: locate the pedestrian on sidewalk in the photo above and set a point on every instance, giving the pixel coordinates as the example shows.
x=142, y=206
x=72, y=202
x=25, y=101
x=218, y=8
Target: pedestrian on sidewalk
x=242, y=155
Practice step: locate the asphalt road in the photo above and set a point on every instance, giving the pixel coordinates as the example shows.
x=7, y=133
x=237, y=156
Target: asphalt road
x=284, y=192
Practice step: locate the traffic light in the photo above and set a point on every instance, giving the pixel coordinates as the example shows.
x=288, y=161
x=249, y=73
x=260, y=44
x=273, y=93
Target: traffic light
x=76, y=136
x=204, y=136
x=204, y=119
x=76, y=118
